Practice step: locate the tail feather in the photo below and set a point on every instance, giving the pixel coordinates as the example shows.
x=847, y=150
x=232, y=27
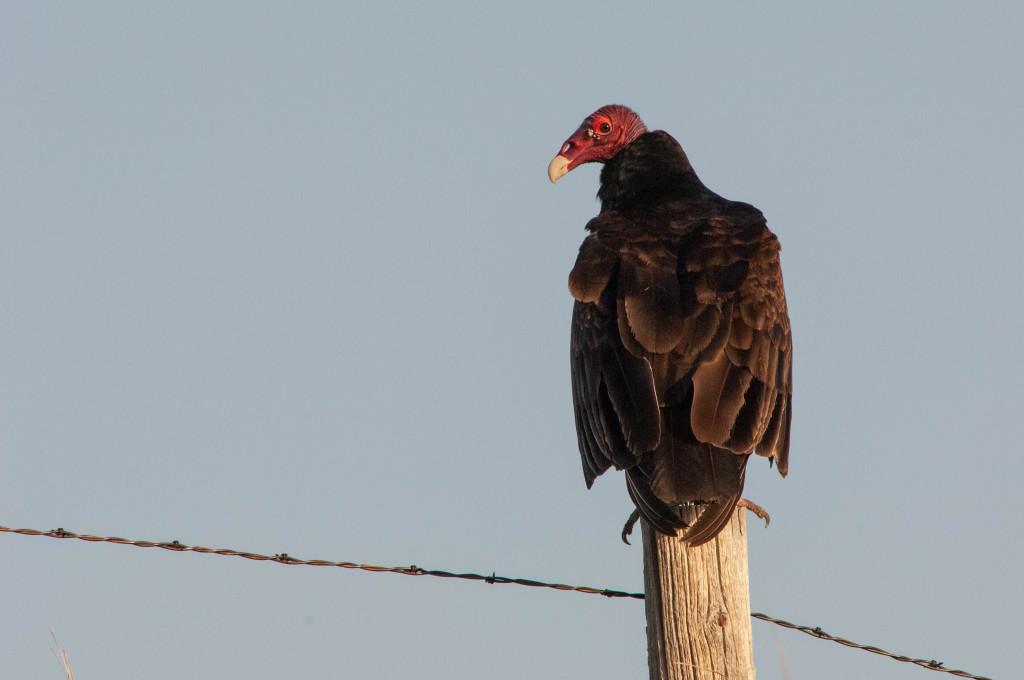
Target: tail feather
x=712, y=520
x=683, y=472
x=657, y=513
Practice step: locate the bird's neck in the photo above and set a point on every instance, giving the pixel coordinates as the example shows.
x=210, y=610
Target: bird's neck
x=650, y=171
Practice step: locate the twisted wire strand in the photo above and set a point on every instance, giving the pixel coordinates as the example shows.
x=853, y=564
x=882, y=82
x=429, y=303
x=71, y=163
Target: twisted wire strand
x=285, y=558
x=931, y=665
x=413, y=570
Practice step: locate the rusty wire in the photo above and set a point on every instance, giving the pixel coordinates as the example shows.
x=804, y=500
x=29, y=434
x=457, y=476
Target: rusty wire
x=413, y=570
x=285, y=558
x=931, y=665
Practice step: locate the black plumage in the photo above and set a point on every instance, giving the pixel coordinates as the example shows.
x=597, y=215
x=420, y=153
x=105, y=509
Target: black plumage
x=681, y=346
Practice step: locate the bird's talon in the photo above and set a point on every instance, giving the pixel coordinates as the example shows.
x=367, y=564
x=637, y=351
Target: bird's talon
x=628, y=528
x=754, y=508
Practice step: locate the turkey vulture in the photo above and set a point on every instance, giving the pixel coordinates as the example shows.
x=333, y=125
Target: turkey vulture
x=681, y=346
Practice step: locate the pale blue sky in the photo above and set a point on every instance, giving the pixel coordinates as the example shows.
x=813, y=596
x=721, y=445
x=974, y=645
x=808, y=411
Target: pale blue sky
x=290, y=277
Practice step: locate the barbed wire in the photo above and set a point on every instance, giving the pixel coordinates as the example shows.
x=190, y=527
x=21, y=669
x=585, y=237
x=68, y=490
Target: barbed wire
x=285, y=558
x=932, y=665
x=413, y=570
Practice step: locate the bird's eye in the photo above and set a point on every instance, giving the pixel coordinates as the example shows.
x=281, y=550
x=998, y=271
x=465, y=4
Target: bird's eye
x=602, y=125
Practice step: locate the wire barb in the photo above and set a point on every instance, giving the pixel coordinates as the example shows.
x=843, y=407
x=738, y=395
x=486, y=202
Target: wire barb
x=413, y=570
x=285, y=558
x=817, y=632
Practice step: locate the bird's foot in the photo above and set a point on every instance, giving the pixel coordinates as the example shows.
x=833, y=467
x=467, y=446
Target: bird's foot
x=630, y=523
x=754, y=508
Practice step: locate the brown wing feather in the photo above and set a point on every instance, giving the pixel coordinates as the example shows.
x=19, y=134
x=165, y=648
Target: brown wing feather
x=681, y=359
x=742, y=392
x=649, y=302
x=595, y=265
x=614, y=397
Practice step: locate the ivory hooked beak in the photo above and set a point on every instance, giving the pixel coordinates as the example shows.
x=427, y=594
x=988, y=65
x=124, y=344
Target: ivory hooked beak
x=558, y=166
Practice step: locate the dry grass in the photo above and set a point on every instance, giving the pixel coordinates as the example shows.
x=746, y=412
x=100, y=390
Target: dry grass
x=62, y=656
x=783, y=664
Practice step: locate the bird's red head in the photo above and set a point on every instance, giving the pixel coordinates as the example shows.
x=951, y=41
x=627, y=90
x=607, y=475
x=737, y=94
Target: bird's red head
x=600, y=137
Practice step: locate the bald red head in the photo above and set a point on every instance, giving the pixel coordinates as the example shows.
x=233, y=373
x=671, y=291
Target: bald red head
x=600, y=137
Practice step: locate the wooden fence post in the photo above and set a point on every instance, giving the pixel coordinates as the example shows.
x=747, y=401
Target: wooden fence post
x=698, y=605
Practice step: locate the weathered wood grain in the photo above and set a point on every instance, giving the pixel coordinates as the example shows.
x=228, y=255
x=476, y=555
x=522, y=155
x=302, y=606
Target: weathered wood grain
x=698, y=605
